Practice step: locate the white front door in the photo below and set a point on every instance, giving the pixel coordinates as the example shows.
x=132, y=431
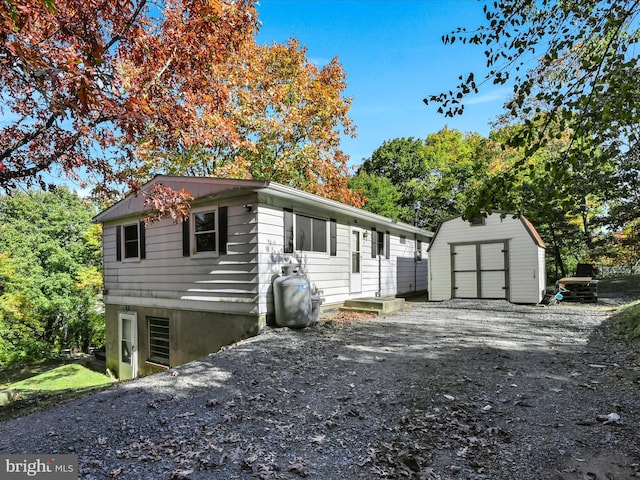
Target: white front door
x=356, y=260
x=128, y=345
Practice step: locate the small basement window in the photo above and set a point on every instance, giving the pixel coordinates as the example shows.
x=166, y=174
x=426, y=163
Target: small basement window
x=159, y=340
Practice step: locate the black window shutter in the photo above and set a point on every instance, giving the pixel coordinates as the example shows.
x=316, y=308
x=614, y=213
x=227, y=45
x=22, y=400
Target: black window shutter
x=119, y=243
x=186, y=237
x=333, y=237
x=387, y=245
x=143, y=242
x=288, y=230
x=374, y=243
x=223, y=229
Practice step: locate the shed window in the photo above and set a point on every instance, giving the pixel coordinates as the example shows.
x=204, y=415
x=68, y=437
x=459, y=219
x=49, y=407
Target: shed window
x=159, y=340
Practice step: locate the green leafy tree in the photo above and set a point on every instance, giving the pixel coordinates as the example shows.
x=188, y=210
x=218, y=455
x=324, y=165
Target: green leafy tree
x=457, y=166
x=401, y=162
x=564, y=205
x=381, y=197
x=620, y=245
x=50, y=271
x=437, y=178
x=573, y=68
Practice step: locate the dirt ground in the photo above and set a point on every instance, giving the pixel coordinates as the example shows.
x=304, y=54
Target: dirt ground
x=452, y=390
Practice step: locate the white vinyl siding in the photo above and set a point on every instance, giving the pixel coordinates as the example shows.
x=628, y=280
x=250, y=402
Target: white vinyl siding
x=240, y=280
x=225, y=283
x=331, y=274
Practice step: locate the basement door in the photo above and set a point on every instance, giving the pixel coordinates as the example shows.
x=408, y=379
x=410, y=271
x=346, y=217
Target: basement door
x=128, y=345
x=480, y=270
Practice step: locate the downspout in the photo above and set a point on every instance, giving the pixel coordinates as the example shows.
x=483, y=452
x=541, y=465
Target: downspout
x=416, y=258
x=379, y=292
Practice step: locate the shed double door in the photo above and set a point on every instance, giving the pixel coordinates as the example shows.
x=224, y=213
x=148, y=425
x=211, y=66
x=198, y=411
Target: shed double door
x=480, y=270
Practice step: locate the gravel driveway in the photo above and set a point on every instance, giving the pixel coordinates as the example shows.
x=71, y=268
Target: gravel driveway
x=453, y=390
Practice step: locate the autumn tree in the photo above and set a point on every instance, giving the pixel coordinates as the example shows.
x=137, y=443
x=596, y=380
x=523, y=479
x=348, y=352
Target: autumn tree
x=83, y=81
x=95, y=89
x=289, y=115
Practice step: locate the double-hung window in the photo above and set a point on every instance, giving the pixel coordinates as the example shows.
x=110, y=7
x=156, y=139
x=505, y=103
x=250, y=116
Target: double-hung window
x=130, y=241
x=205, y=231
x=380, y=244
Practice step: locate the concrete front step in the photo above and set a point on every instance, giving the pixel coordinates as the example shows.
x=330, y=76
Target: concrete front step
x=378, y=305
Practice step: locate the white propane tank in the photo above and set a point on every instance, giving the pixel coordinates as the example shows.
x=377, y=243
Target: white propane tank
x=292, y=298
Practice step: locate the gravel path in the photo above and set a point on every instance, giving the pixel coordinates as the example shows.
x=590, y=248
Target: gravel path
x=453, y=390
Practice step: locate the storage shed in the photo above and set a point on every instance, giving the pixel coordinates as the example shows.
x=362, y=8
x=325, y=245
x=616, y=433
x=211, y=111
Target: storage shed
x=498, y=256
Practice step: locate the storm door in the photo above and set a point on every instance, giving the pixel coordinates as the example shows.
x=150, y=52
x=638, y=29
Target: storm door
x=127, y=345
x=356, y=261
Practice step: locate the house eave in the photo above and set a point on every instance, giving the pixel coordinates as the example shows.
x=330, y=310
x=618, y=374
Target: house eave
x=309, y=199
x=208, y=187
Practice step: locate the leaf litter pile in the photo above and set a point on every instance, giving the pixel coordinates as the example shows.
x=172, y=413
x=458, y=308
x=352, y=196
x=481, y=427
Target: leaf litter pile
x=453, y=390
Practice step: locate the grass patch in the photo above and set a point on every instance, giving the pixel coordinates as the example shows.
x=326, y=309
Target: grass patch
x=66, y=377
x=627, y=321
x=22, y=394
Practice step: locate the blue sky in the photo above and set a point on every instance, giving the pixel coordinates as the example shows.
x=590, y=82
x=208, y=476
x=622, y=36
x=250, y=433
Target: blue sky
x=393, y=55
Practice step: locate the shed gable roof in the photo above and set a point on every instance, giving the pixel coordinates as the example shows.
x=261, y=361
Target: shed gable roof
x=537, y=239
x=528, y=226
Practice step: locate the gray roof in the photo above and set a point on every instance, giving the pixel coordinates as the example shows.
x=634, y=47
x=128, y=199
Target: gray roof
x=204, y=187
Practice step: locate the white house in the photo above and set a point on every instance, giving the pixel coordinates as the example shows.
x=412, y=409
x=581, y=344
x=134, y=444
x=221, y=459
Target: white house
x=176, y=292
x=493, y=257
